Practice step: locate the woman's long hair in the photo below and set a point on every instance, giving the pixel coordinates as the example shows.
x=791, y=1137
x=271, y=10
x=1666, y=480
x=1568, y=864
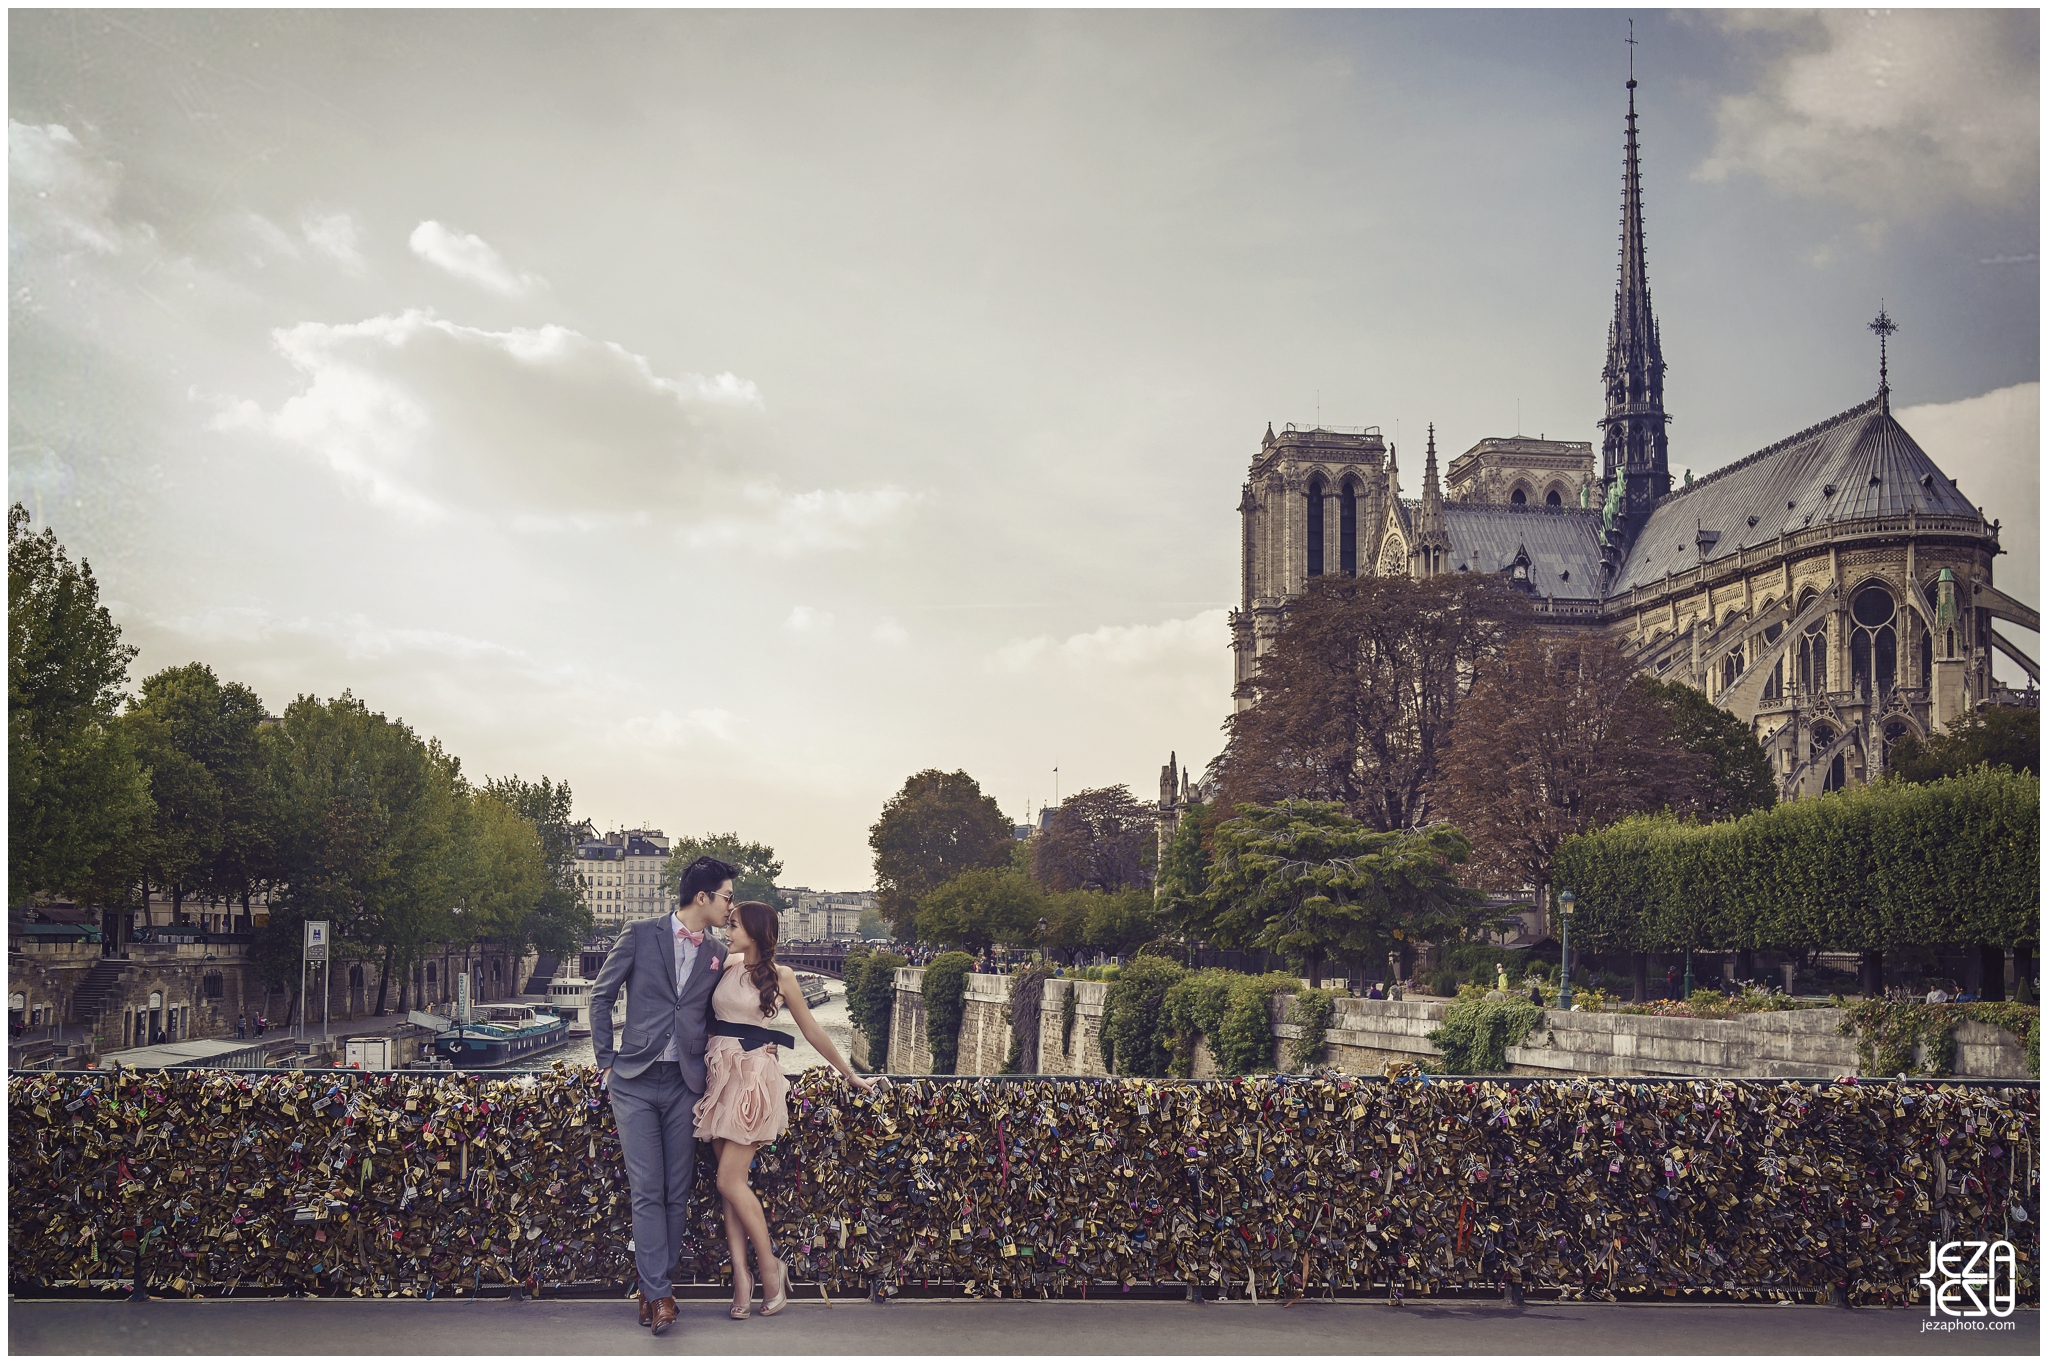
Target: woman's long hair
x=761, y=923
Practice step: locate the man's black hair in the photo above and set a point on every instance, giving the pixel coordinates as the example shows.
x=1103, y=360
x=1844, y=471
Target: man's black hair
x=706, y=874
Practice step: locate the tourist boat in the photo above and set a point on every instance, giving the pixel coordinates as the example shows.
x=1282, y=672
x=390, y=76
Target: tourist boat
x=499, y=1034
x=569, y=1000
x=814, y=989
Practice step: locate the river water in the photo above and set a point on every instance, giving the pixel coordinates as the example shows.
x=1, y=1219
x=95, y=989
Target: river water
x=831, y=1016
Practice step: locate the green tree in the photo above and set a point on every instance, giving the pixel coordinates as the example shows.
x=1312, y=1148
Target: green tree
x=945, y=1004
x=559, y=920
x=76, y=793
x=939, y=825
x=1997, y=736
x=981, y=907
x=1737, y=777
x=1066, y=923
x=199, y=737
x=871, y=998
x=373, y=821
x=1181, y=893
x=757, y=863
x=1304, y=878
x=873, y=925
x=1120, y=922
x=1136, y=1036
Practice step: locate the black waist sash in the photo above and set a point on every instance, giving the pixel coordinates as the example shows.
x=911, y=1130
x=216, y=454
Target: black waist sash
x=751, y=1036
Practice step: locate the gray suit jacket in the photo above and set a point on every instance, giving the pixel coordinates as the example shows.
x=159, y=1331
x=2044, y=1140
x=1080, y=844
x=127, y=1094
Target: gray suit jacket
x=643, y=961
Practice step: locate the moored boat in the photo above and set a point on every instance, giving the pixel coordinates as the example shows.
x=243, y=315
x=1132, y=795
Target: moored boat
x=500, y=1034
x=569, y=1000
x=815, y=991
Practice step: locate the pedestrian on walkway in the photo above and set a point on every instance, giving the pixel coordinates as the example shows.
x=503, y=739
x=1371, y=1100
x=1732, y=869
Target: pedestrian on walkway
x=241, y=1026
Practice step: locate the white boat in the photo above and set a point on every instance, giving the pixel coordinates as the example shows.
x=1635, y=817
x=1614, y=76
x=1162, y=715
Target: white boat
x=813, y=987
x=569, y=1000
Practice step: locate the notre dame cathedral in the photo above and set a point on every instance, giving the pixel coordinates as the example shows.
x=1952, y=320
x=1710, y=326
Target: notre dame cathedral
x=1832, y=589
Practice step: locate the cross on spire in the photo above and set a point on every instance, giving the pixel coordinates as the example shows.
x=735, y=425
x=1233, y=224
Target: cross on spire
x=1884, y=327
x=1631, y=41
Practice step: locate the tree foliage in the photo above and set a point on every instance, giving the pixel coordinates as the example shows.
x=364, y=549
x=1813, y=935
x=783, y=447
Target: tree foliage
x=1995, y=736
x=1736, y=778
x=1306, y=879
x=558, y=920
x=1180, y=894
x=1100, y=839
x=758, y=866
x=75, y=792
x=871, y=997
x=939, y=825
x=1356, y=695
x=1119, y=922
x=1873, y=868
x=945, y=1004
x=1134, y=1040
x=981, y=907
x=1553, y=740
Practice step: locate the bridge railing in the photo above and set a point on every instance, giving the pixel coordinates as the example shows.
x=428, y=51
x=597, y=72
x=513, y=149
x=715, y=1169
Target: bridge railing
x=423, y=1185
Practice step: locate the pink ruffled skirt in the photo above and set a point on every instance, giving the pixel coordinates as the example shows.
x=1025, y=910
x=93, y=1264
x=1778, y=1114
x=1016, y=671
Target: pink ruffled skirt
x=746, y=1095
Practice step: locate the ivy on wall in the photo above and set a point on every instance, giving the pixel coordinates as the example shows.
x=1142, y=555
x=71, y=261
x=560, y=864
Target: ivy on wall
x=945, y=1004
x=1888, y=1030
x=1477, y=1031
x=871, y=999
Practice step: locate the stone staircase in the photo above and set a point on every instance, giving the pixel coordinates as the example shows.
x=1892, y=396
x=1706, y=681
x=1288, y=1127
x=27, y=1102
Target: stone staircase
x=90, y=998
x=543, y=976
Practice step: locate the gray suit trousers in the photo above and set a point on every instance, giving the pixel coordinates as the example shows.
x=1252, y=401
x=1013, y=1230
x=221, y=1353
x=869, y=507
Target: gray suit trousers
x=657, y=1136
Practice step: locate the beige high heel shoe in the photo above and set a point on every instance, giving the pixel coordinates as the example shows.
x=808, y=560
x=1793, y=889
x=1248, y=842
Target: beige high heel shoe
x=781, y=1298
x=741, y=1309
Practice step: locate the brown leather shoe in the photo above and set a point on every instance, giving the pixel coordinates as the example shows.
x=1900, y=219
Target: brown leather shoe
x=646, y=1311
x=664, y=1315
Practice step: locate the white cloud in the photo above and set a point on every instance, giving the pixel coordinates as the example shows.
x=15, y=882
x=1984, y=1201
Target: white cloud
x=1196, y=642
x=431, y=416
x=1896, y=108
x=59, y=192
x=1991, y=446
x=786, y=524
x=334, y=235
x=469, y=257
x=807, y=620
x=267, y=237
x=887, y=631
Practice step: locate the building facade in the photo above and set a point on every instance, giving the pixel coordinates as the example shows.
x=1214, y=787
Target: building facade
x=1833, y=590
x=823, y=915
x=619, y=877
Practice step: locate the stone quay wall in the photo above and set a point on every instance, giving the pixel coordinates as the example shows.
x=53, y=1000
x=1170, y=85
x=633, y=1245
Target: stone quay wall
x=1365, y=1034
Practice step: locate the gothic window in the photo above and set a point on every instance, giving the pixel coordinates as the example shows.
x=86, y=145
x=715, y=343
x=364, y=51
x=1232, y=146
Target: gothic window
x=1926, y=670
x=212, y=986
x=1823, y=737
x=1519, y=498
x=430, y=973
x=1315, y=528
x=1837, y=773
x=1554, y=499
x=1347, y=530
x=1731, y=667
x=1873, y=641
x=1893, y=732
x=1393, y=557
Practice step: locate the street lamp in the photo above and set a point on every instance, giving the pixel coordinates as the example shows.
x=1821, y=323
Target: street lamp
x=1042, y=953
x=1565, y=901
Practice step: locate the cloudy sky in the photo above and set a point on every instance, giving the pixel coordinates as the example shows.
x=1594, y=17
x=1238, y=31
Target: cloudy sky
x=733, y=413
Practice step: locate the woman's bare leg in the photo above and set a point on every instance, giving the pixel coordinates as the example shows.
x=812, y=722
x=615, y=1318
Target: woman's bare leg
x=735, y=1240
x=744, y=1208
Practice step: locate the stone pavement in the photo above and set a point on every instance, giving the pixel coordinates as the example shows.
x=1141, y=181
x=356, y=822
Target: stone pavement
x=569, y=1327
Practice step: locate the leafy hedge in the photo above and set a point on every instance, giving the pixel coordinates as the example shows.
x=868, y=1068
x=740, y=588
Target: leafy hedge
x=1476, y=1033
x=945, y=1003
x=1313, y=1010
x=1875, y=867
x=1134, y=1042
x=1230, y=1009
x=871, y=998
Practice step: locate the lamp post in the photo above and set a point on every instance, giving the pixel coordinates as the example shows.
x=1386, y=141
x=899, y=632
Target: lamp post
x=1688, y=973
x=1565, y=901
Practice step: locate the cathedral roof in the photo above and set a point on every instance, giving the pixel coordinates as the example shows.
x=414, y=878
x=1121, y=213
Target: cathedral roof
x=1563, y=544
x=1856, y=465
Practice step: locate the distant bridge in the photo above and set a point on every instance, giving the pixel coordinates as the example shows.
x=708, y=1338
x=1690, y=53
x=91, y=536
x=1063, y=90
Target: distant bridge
x=822, y=959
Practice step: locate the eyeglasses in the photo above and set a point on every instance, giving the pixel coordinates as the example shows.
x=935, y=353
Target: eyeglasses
x=724, y=895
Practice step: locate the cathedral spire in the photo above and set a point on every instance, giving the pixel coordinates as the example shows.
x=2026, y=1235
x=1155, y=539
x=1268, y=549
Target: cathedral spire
x=1884, y=327
x=1432, y=495
x=1634, y=441
x=1432, y=546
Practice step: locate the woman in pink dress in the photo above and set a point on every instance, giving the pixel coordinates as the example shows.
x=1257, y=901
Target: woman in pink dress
x=746, y=1095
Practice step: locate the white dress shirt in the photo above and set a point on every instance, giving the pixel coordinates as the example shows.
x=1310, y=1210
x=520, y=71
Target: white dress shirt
x=686, y=959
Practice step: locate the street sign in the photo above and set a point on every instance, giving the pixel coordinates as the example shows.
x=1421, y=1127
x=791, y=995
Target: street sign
x=316, y=940
x=462, y=997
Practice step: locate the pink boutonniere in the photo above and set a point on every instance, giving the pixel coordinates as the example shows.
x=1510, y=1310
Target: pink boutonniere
x=717, y=962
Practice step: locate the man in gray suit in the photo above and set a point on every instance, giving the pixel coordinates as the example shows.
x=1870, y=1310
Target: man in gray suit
x=669, y=966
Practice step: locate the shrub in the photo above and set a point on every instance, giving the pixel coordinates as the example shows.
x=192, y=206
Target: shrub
x=1135, y=1038
x=871, y=998
x=1243, y=1043
x=1070, y=1011
x=1193, y=1008
x=1477, y=1031
x=1313, y=1010
x=1887, y=1030
x=1027, y=995
x=945, y=1001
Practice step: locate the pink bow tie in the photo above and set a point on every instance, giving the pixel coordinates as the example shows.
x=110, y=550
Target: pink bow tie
x=696, y=937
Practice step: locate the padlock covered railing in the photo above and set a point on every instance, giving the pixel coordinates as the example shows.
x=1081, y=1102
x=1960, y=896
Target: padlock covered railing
x=412, y=1185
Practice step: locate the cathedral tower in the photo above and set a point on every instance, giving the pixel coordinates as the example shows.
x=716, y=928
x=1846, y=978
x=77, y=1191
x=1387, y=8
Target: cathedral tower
x=1636, y=466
